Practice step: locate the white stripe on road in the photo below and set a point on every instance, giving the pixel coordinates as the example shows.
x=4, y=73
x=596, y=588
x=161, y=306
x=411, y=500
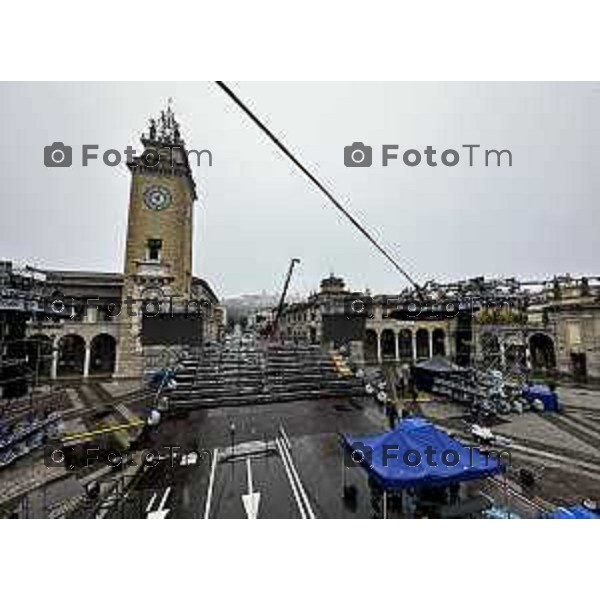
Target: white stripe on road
x=164, y=498
x=151, y=503
x=249, y=469
x=309, y=510
x=161, y=512
x=211, y=483
x=285, y=437
x=279, y=445
x=251, y=500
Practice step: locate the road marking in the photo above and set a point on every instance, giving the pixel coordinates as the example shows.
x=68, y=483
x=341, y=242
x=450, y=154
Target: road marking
x=309, y=510
x=161, y=512
x=151, y=503
x=211, y=483
x=251, y=500
x=285, y=437
x=279, y=445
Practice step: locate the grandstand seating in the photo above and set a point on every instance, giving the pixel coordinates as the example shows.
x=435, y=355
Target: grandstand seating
x=239, y=373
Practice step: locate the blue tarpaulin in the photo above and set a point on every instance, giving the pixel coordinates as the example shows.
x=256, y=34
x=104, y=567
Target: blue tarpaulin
x=391, y=458
x=543, y=393
x=573, y=512
x=160, y=377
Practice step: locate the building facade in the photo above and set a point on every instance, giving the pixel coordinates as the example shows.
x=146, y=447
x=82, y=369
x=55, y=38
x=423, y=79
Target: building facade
x=548, y=328
x=336, y=316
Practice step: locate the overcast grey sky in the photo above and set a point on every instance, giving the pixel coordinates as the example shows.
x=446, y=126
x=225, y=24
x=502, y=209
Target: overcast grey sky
x=256, y=211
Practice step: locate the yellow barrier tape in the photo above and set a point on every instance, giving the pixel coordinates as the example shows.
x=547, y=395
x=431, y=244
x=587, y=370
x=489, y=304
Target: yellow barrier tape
x=86, y=434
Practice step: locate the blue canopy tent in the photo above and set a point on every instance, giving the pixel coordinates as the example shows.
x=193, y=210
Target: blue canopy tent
x=391, y=459
x=573, y=512
x=541, y=392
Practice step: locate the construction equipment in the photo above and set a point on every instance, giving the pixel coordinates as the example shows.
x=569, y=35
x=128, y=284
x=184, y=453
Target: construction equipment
x=286, y=285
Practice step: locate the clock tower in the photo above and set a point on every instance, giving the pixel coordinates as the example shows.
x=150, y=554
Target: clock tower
x=158, y=255
x=159, y=231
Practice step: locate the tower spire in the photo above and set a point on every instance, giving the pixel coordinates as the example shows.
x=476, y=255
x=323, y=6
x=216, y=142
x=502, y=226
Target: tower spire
x=165, y=129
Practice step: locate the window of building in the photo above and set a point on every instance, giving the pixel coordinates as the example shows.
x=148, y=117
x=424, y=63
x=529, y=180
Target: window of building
x=573, y=334
x=154, y=248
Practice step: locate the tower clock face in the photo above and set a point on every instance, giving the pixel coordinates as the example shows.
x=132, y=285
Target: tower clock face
x=157, y=198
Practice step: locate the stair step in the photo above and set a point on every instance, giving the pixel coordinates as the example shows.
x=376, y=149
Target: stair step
x=235, y=375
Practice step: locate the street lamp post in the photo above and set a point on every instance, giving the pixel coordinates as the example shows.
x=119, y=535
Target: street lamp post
x=232, y=434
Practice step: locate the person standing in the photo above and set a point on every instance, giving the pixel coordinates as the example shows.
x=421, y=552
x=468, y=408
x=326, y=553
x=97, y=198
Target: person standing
x=392, y=414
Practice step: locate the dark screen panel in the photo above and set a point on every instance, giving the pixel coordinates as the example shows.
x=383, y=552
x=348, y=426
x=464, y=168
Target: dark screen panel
x=172, y=330
x=341, y=329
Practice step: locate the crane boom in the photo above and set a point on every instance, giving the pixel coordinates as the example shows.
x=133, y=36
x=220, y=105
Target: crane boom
x=286, y=285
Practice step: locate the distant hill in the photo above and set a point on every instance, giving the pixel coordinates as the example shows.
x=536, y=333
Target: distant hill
x=257, y=301
x=239, y=307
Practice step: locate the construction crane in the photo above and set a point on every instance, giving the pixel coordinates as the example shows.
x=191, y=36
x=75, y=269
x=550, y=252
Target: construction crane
x=286, y=285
